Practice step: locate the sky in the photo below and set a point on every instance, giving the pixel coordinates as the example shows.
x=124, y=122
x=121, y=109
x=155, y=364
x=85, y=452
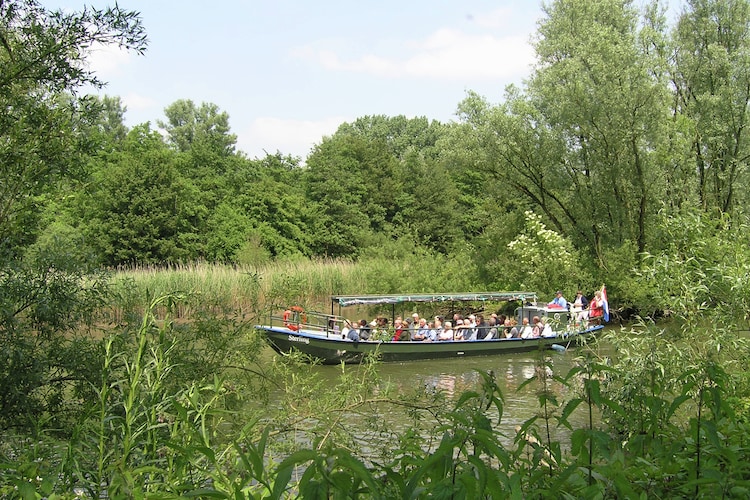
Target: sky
x=289, y=72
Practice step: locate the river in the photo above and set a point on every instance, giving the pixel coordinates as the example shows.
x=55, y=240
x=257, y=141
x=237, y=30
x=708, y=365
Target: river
x=453, y=376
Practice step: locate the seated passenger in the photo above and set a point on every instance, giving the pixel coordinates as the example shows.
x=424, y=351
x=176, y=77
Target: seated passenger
x=432, y=334
x=352, y=333
x=509, y=330
x=413, y=325
x=515, y=332
x=525, y=331
x=470, y=331
x=364, y=330
x=481, y=329
x=399, y=330
x=459, y=331
x=345, y=331
x=422, y=330
x=491, y=332
x=546, y=328
x=447, y=332
x=536, y=331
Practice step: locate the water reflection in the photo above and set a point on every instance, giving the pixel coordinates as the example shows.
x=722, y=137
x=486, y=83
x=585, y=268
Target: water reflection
x=452, y=377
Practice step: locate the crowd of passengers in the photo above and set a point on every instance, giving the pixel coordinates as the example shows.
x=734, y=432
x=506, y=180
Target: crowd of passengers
x=473, y=327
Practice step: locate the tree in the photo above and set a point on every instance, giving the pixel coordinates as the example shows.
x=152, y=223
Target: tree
x=712, y=81
x=189, y=127
x=270, y=194
x=139, y=208
x=42, y=55
x=49, y=292
x=581, y=146
x=393, y=174
x=336, y=181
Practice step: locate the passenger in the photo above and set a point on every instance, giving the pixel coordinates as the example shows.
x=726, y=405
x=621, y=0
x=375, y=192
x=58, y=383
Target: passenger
x=345, y=330
x=536, y=331
x=380, y=329
x=460, y=332
x=580, y=302
x=364, y=330
x=413, y=325
x=526, y=331
x=422, y=331
x=447, y=332
x=352, y=333
x=470, y=328
x=546, y=328
x=399, y=330
x=509, y=331
x=514, y=332
x=491, y=332
x=559, y=301
x=334, y=327
x=432, y=334
x=596, y=308
x=481, y=328
x=580, y=308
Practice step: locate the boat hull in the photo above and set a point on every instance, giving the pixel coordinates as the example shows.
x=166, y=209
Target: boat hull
x=332, y=350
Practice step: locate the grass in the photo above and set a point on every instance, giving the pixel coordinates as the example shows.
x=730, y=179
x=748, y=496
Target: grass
x=258, y=290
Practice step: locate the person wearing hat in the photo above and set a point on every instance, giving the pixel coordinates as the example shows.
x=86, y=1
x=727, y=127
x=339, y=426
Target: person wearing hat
x=559, y=301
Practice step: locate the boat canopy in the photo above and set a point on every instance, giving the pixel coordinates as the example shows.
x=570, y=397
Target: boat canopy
x=352, y=300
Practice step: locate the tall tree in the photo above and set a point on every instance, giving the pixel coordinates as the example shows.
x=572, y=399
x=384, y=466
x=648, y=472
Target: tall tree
x=712, y=82
x=42, y=54
x=189, y=126
x=596, y=86
x=139, y=208
x=42, y=61
x=344, y=175
x=581, y=144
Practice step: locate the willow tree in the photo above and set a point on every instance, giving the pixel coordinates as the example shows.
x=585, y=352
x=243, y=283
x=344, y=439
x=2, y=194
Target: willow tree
x=582, y=143
x=712, y=82
x=597, y=88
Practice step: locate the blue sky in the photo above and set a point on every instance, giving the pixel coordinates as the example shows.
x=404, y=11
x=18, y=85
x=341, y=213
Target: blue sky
x=289, y=72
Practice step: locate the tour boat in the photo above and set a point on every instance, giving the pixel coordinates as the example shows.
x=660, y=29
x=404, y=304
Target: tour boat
x=319, y=335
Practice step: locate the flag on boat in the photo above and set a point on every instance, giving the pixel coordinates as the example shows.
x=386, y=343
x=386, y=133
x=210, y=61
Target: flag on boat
x=605, y=303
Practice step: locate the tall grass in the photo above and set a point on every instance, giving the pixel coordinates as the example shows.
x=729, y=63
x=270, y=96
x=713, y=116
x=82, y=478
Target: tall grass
x=310, y=283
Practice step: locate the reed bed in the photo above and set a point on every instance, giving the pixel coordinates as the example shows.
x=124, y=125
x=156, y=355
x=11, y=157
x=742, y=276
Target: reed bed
x=258, y=290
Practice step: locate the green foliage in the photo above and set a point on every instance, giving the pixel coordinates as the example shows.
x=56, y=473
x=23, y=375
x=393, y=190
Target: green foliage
x=711, y=79
x=543, y=259
x=704, y=265
x=194, y=128
x=42, y=55
x=47, y=358
x=139, y=208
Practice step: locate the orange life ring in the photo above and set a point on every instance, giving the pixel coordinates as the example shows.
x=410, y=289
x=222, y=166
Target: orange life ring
x=301, y=317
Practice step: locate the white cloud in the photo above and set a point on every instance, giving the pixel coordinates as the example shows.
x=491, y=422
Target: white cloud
x=108, y=60
x=446, y=54
x=451, y=54
x=293, y=137
x=136, y=102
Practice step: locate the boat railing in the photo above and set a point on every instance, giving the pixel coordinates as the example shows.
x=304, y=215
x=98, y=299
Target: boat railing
x=310, y=322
